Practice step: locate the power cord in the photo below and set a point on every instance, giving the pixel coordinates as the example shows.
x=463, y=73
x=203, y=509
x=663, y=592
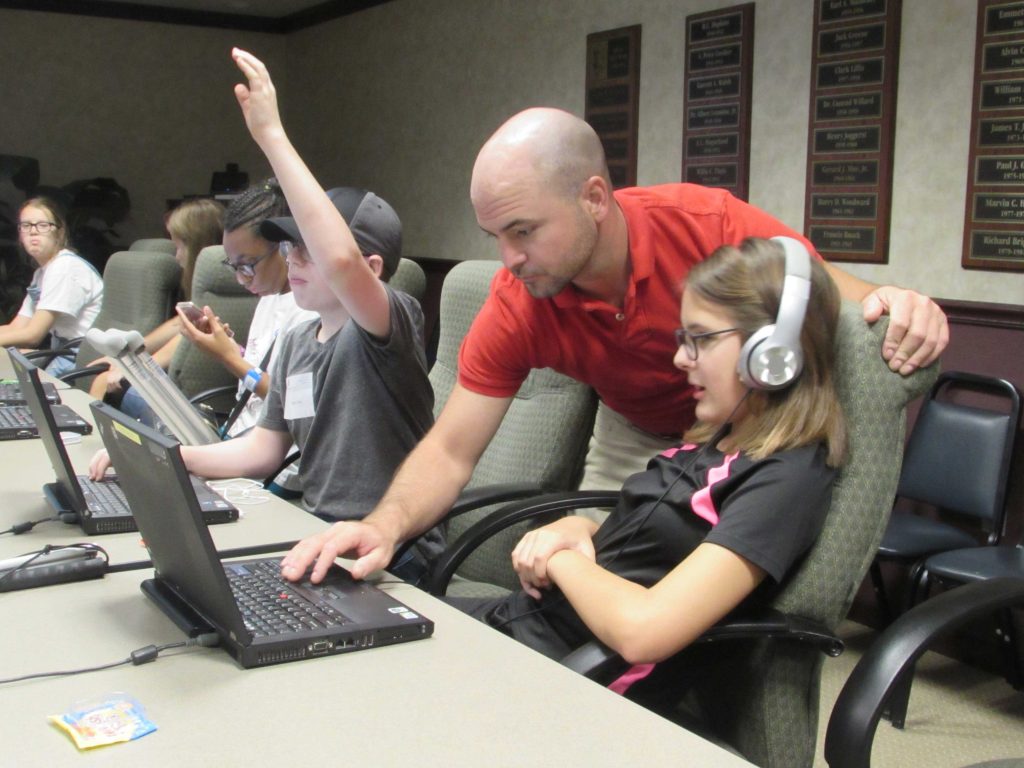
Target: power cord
x=28, y=525
x=139, y=656
x=60, y=564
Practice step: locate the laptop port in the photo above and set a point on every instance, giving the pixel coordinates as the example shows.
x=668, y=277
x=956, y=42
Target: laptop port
x=320, y=646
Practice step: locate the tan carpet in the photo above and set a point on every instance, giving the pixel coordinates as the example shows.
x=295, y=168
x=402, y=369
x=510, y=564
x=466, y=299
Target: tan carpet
x=958, y=715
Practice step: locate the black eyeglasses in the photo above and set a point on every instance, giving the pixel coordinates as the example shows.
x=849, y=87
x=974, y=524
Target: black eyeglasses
x=694, y=342
x=42, y=227
x=248, y=268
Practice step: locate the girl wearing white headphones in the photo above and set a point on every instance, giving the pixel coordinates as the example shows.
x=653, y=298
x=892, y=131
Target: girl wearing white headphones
x=718, y=522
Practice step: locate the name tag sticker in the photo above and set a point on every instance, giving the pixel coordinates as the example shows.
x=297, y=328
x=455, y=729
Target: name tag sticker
x=298, y=402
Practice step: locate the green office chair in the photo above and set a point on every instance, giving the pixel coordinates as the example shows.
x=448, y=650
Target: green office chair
x=757, y=680
x=410, y=278
x=158, y=244
x=139, y=292
x=215, y=285
x=540, y=445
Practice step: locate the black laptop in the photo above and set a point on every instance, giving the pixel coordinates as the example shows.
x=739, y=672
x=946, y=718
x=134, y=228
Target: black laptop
x=10, y=392
x=17, y=422
x=98, y=506
x=261, y=619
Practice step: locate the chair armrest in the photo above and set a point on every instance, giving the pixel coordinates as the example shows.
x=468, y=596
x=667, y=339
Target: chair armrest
x=81, y=373
x=599, y=663
x=778, y=625
x=290, y=459
x=539, y=507
x=69, y=349
x=209, y=394
x=855, y=716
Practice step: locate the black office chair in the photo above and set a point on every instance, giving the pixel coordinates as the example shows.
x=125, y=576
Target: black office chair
x=854, y=720
x=957, y=460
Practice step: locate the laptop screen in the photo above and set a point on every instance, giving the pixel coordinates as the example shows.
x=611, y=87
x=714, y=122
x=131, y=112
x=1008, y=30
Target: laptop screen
x=32, y=391
x=159, y=491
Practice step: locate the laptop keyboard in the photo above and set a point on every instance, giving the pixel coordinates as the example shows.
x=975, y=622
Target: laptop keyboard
x=17, y=416
x=271, y=606
x=104, y=495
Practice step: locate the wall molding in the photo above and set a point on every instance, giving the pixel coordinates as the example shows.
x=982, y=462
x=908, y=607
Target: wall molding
x=282, y=25
x=1008, y=316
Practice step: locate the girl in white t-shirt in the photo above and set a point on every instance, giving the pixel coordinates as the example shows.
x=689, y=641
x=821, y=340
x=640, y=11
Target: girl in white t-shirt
x=66, y=292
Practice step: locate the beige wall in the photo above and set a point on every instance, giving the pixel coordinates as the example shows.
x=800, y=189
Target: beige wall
x=399, y=98
x=147, y=104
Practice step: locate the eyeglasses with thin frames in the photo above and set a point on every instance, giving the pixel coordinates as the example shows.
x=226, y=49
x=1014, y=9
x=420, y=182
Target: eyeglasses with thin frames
x=692, y=343
x=42, y=227
x=248, y=268
x=293, y=250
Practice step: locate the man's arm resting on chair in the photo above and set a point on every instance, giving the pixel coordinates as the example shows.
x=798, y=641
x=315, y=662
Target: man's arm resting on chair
x=918, y=331
x=424, y=489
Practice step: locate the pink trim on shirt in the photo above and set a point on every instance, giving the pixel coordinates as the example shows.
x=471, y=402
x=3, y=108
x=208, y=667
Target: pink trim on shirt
x=630, y=676
x=670, y=452
x=701, y=502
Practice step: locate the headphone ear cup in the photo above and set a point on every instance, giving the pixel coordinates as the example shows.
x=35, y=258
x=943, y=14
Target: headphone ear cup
x=765, y=364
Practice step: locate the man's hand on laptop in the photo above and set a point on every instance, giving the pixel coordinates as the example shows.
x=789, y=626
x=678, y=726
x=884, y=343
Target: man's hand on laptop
x=360, y=540
x=99, y=464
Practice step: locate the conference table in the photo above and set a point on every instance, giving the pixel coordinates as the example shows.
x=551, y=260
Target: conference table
x=467, y=696
x=266, y=524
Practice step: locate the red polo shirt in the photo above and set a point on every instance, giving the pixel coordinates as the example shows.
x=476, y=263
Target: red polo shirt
x=625, y=355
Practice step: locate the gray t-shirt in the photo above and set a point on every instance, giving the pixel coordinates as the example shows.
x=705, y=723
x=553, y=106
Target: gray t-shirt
x=371, y=404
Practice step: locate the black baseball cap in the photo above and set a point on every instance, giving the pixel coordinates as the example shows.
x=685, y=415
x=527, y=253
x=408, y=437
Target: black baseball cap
x=372, y=221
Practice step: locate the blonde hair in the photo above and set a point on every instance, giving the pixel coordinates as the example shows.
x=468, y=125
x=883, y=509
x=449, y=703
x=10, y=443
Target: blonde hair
x=197, y=223
x=746, y=282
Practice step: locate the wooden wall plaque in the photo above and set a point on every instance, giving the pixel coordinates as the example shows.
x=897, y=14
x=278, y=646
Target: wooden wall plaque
x=716, y=98
x=852, y=126
x=613, y=98
x=994, y=216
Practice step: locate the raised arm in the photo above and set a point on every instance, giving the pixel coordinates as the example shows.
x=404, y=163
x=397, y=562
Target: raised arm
x=424, y=489
x=327, y=238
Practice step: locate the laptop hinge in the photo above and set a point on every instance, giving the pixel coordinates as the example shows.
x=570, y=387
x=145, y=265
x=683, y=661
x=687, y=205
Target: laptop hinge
x=183, y=615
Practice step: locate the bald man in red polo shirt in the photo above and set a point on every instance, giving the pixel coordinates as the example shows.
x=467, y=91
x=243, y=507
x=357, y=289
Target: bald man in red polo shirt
x=591, y=288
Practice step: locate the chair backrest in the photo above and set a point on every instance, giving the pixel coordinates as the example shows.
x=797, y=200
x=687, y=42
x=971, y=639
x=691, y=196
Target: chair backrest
x=763, y=693
x=542, y=439
x=215, y=285
x=139, y=291
x=158, y=244
x=958, y=456
x=410, y=278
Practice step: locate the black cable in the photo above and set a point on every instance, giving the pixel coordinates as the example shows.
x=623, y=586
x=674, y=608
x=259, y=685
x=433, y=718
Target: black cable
x=85, y=547
x=139, y=656
x=28, y=525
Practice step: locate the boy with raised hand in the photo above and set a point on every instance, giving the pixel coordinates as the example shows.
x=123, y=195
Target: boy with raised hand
x=350, y=388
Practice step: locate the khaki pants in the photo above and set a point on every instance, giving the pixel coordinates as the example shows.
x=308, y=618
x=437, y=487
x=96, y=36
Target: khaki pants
x=617, y=450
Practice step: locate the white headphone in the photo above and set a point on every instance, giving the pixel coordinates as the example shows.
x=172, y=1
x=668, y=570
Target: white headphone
x=772, y=358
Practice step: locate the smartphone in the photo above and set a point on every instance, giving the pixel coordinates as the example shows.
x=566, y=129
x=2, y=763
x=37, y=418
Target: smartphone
x=197, y=318
x=191, y=311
